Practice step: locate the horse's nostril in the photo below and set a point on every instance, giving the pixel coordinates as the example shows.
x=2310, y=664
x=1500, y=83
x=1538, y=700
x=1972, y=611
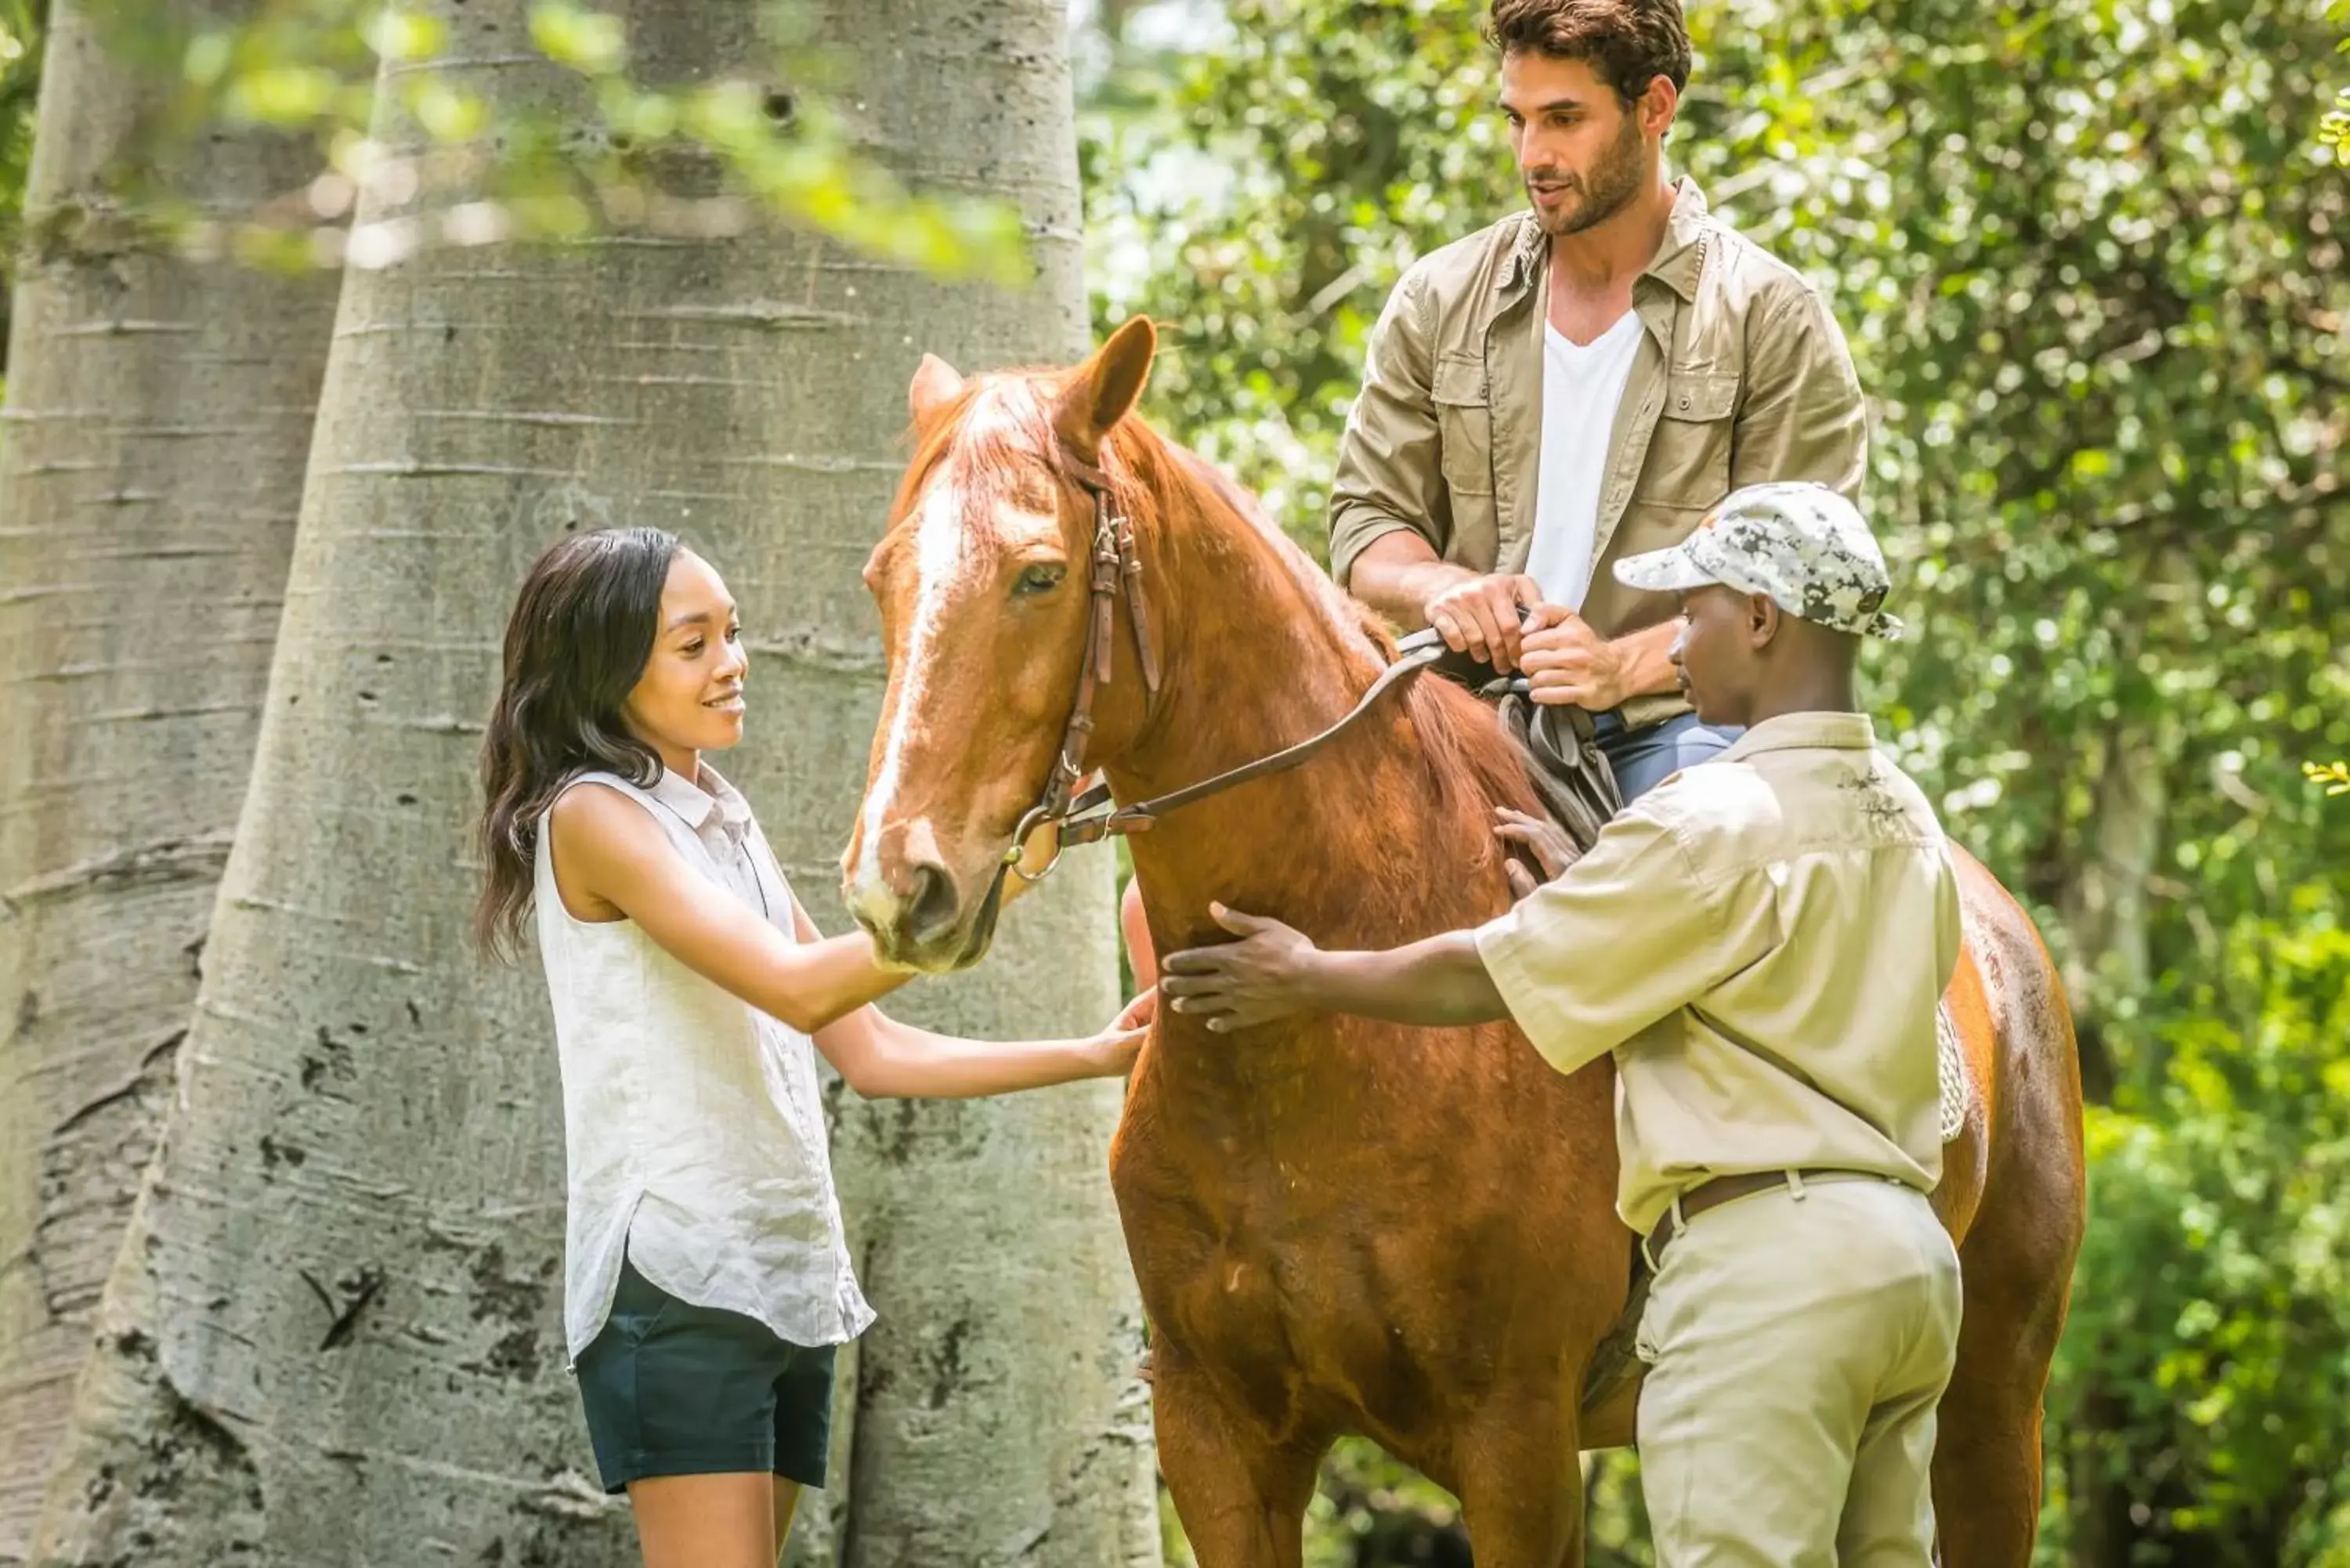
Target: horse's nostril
x=931, y=912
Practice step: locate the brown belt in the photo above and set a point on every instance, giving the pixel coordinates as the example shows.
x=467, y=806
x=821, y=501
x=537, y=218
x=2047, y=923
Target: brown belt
x=1712, y=1194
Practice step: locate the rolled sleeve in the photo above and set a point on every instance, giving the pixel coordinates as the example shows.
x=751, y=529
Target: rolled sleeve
x=1803, y=417
x=1389, y=475
x=1628, y=935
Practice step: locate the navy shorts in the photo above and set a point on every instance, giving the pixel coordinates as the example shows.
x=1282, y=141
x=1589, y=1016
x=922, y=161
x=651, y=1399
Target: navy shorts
x=674, y=1390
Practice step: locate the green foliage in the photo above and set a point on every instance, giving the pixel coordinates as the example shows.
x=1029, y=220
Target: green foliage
x=607, y=160
x=20, y=86
x=2093, y=275
x=2334, y=130
x=2205, y=1376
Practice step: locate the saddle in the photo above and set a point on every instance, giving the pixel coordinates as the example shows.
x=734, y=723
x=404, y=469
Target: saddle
x=1570, y=777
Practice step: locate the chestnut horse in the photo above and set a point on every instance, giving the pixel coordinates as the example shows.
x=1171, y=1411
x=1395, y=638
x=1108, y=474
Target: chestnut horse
x=1340, y=1225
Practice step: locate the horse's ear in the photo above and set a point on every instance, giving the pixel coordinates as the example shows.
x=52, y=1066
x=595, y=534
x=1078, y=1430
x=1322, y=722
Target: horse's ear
x=936, y=384
x=1105, y=387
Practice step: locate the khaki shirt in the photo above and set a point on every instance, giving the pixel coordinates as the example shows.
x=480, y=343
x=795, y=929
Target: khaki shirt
x=1740, y=377
x=1761, y=940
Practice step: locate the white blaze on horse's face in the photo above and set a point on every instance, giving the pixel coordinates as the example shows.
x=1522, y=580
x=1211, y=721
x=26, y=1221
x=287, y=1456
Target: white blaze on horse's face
x=982, y=621
x=938, y=548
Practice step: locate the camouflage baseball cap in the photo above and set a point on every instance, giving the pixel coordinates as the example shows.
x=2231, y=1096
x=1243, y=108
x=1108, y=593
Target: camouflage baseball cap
x=1802, y=545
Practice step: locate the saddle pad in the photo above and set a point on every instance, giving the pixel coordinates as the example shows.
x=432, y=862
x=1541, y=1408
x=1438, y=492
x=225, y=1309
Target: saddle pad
x=1951, y=1064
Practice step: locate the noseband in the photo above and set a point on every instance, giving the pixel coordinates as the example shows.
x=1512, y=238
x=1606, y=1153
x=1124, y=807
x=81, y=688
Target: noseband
x=1116, y=568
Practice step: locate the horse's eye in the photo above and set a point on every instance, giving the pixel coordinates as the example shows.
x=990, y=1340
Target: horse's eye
x=1040, y=578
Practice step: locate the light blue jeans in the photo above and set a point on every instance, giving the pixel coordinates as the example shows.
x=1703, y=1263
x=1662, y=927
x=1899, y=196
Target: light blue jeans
x=1645, y=758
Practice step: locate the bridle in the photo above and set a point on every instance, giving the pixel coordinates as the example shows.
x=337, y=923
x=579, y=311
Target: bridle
x=1117, y=568
x=1115, y=565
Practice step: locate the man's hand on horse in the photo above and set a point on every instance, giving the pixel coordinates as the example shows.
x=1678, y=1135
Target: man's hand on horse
x=1539, y=837
x=1568, y=662
x=1233, y=985
x=1479, y=617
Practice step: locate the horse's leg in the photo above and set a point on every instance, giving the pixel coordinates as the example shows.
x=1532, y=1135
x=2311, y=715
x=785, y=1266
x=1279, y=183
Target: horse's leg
x=1987, y=1458
x=1521, y=1486
x=1240, y=1493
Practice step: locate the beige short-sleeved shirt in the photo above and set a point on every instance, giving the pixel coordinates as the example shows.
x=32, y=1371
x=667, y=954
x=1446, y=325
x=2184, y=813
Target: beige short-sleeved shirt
x=1761, y=939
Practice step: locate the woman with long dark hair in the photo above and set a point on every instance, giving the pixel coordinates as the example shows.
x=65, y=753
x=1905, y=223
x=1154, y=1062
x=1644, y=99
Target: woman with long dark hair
x=707, y=1282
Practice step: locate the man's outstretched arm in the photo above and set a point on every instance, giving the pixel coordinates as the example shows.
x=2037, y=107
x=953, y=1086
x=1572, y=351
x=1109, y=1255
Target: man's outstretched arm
x=1274, y=971
x=1622, y=938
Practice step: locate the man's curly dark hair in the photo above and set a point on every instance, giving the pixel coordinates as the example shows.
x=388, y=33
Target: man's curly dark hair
x=1627, y=44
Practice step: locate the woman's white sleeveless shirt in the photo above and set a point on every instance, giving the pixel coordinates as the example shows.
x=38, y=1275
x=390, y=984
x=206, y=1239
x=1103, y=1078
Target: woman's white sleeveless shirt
x=692, y=1122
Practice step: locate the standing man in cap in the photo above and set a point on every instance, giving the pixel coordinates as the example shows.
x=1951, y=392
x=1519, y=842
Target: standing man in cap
x=1580, y=382
x=1762, y=942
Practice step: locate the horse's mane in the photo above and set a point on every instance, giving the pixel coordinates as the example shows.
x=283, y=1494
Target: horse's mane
x=1471, y=759
x=1466, y=748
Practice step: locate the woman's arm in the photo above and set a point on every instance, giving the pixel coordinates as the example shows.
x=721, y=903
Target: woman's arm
x=881, y=1058
x=608, y=852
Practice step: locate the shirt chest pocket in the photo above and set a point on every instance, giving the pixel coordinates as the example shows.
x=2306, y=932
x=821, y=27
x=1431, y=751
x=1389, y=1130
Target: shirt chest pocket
x=1465, y=424
x=1689, y=455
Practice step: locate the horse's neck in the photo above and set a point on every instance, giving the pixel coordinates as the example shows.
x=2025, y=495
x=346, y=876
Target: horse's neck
x=1352, y=845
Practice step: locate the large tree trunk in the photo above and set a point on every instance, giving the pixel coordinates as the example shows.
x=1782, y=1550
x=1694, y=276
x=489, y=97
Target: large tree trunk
x=158, y=413
x=998, y=1418
x=330, y=1337
x=2107, y=905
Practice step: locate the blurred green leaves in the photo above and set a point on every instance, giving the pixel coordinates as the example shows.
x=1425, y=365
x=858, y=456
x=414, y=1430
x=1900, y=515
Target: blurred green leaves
x=2203, y=1372
x=2333, y=129
x=588, y=42
x=612, y=154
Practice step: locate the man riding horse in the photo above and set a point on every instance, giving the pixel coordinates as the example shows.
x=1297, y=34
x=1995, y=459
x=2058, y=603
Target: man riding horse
x=1580, y=382
x=1576, y=383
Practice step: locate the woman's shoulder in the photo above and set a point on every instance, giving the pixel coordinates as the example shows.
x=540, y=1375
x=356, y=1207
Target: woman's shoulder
x=601, y=806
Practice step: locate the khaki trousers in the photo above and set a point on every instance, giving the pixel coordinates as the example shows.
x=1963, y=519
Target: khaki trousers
x=1797, y=1342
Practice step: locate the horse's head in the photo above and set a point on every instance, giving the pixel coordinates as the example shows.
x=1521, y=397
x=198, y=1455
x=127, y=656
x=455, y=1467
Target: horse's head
x=982, y=583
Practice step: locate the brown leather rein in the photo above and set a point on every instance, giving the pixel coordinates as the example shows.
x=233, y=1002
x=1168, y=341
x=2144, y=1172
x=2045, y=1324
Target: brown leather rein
x=1117, y=568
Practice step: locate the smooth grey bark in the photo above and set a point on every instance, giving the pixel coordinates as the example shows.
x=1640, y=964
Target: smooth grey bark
x=150, y=471
x=331, y=1335
x=996, y=1414
x=2106, y=945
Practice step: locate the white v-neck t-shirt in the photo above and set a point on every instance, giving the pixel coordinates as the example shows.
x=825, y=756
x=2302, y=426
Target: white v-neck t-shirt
x=1582, y=388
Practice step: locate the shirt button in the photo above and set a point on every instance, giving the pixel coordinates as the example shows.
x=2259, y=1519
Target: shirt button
x=1684, y=399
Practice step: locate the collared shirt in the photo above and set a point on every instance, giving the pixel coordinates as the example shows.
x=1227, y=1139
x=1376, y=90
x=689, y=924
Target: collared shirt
x=1761, y=940
x=1741, y=375
x=693, y=1123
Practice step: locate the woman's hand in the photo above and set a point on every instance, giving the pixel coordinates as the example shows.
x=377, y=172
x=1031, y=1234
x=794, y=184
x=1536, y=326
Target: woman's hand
x=1122, y=1040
